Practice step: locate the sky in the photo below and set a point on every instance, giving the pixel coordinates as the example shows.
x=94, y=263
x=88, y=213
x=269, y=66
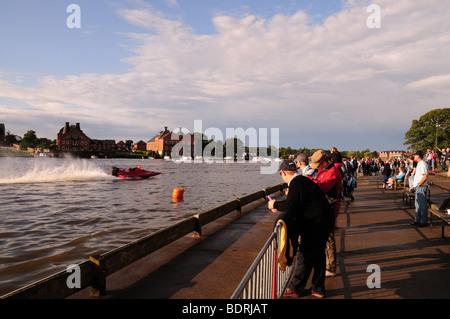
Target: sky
x=323, y=73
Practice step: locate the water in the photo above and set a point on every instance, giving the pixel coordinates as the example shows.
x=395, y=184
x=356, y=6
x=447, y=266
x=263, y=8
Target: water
x=55, y=212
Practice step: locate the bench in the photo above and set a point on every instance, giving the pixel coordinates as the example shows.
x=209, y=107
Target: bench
x=402, y=184
x=409, y=196
x=442, y=215
x=399, y=185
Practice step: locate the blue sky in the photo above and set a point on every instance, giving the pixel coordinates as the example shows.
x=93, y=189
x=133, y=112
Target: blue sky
x=312, y=69
x=42, y=43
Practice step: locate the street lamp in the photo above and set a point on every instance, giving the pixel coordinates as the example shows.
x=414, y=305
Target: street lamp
x=435, y=145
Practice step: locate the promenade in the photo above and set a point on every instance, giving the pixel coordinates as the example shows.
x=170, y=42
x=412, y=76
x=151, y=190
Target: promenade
x=374, y=229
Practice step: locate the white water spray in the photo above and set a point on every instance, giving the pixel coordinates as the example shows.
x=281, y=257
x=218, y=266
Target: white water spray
x=55, y=170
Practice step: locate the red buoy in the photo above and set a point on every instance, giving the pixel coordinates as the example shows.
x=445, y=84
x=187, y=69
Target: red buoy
x=177, y=194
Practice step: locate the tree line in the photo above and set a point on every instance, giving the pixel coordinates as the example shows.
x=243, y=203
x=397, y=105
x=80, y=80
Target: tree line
x=430, y=131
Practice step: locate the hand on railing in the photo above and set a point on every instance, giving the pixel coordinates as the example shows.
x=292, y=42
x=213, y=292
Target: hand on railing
x=270, y=205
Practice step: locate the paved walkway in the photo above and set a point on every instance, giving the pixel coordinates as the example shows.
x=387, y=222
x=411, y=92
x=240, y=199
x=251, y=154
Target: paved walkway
x=414, y=262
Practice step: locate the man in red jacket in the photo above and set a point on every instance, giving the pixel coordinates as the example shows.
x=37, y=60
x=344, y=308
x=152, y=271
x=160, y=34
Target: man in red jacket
x=329, y=179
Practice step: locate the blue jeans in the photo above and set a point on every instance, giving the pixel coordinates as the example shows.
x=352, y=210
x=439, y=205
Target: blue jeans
x=421, y=205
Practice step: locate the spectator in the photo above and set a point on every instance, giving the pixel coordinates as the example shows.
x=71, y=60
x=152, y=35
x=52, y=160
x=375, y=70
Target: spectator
x=386, y=173
x=446, y=158
x=307, y=205
x=433, y=162
x=420, y=186
x=355, y=165
x=427, y=159
x=336, y=157
x=303, y=164
x=412, y=170
x=399, y=178
x=329, y=180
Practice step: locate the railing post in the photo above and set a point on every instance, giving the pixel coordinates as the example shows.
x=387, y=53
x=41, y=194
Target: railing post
x=274, y=268
x=98, y=285
x=198, y=227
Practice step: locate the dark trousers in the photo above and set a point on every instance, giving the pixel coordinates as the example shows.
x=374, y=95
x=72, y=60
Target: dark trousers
x=310, y=256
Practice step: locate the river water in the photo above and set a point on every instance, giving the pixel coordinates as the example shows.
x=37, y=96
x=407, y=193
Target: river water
x=56, y=212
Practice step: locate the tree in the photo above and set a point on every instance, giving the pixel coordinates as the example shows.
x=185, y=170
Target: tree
x=29, y=140
x=129, y=144
x=234, y=145
x=432, y=129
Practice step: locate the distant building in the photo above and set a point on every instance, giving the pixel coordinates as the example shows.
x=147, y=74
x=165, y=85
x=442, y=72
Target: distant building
x=140, y=146
x=163, y=143
x=387, y=155
x=72, y=138
x=103, y=145
x=2, y=133
x=121, y=146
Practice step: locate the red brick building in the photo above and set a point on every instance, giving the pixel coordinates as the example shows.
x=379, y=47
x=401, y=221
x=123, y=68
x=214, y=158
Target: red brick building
x=163, y=143
x=121, y=146
x=72, y=138
x=387, y=155
x=140, y=146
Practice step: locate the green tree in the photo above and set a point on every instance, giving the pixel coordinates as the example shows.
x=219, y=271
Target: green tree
x=432, y=127
x=235, y=145
x=29, y=140
x=129, y=144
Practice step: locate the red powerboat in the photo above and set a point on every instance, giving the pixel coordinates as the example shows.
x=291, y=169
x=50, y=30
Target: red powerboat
x=132, y=173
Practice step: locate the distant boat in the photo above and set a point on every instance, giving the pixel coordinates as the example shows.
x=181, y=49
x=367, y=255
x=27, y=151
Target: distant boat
x=263, y=159
x=132, y=173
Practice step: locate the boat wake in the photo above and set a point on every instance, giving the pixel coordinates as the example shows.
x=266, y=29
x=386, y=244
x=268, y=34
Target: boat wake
x=54, y=171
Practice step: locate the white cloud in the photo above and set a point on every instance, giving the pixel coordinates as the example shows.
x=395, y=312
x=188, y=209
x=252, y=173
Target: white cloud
x=339, y=77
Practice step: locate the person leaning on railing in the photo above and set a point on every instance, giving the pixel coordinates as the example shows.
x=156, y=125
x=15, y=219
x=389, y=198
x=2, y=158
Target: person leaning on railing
x=313, y=222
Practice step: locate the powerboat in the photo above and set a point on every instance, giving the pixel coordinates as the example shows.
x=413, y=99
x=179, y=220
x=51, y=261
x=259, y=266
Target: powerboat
x=132, y=173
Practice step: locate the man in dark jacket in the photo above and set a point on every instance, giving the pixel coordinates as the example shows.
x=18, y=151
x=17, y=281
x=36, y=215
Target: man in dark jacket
x=313, y=220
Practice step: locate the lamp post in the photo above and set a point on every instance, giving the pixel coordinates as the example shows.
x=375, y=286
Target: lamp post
x=435, y=145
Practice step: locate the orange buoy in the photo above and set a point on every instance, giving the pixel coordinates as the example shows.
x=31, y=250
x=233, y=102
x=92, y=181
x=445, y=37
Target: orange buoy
x=177, y=194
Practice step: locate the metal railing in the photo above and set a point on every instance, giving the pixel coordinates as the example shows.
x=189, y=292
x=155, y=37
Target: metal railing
x=264, y=279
